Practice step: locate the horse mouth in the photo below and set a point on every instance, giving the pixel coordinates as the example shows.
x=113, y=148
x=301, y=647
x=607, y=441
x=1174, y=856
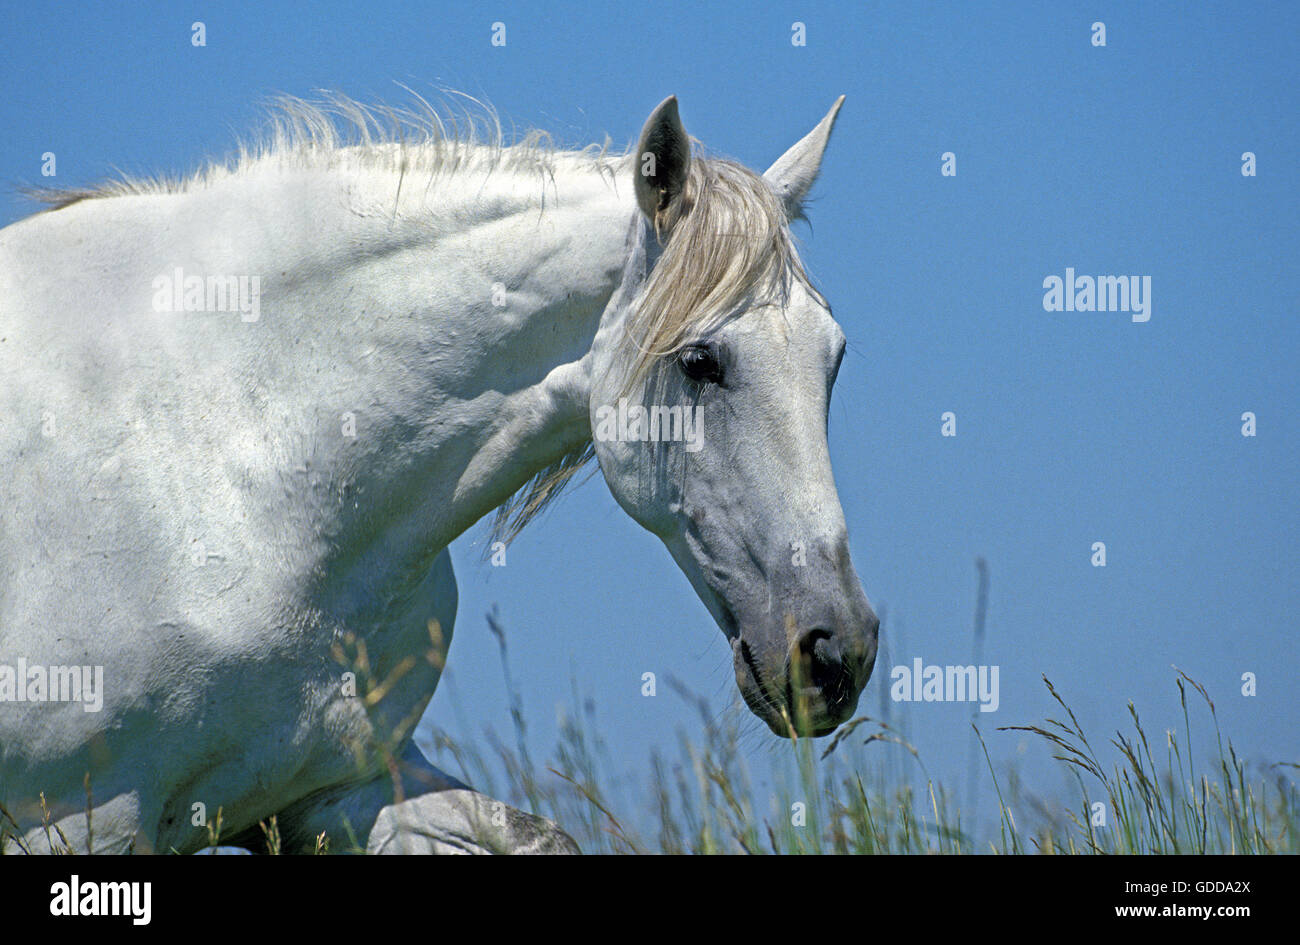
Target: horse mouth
x=773, y=704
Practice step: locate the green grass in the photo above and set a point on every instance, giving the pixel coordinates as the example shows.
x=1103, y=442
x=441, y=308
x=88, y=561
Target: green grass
x=867, y=791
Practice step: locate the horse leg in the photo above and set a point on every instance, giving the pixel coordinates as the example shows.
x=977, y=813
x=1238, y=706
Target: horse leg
x=437, y=814
x=460, y=820
x=432, y=813
x=111, y=826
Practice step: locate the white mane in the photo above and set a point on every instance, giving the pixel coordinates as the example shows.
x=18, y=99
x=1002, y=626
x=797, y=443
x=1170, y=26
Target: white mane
x=464, y=135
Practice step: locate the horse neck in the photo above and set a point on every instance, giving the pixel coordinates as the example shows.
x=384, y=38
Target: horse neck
x=452, y=325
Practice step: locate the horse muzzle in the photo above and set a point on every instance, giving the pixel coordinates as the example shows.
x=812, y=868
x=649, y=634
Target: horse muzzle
x=810, y=686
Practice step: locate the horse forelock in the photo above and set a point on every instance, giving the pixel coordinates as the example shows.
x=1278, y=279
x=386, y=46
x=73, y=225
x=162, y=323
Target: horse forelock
x=727, y=246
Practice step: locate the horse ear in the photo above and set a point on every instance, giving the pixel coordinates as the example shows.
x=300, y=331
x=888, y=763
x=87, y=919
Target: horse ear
x=663, y=158
x=793, y=173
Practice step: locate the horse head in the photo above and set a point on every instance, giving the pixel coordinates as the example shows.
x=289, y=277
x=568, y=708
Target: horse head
x=711, y=379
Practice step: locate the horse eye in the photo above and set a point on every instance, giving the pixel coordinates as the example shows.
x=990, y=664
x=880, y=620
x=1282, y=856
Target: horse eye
x=699, y=363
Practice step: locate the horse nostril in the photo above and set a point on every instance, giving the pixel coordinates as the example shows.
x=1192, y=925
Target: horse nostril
x=820, y=657
x=809, y=640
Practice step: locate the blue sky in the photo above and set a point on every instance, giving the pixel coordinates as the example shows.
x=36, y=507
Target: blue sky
x=1073, y=427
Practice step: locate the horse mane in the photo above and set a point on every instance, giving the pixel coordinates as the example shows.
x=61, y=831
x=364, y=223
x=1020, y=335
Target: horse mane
x=459, y=134
x=726, y=237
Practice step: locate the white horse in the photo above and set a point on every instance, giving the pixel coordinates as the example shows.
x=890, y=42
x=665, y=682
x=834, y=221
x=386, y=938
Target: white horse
x=243, y=415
